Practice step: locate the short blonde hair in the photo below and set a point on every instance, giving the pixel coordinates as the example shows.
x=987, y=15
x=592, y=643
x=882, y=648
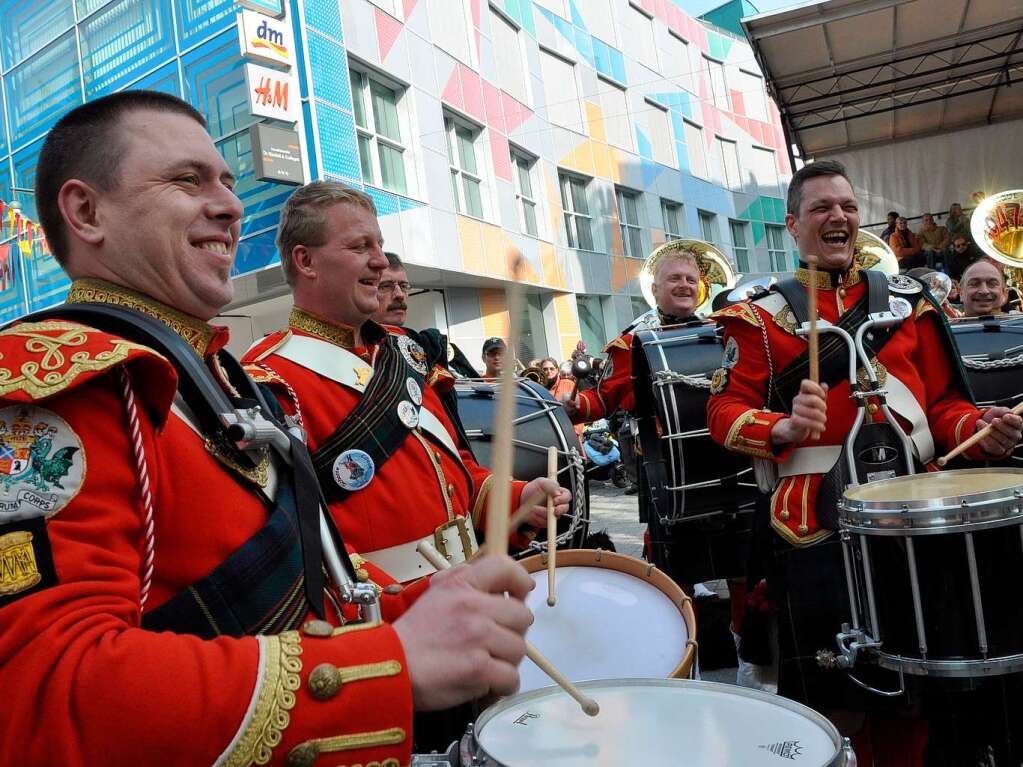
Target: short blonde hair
x=678, y=255
x=304, y=221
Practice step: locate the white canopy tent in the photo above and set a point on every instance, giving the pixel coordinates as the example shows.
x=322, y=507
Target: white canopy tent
x=916, y=97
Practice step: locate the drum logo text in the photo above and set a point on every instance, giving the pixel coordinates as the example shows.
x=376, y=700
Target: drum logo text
x=786, y=749
x=524, y=719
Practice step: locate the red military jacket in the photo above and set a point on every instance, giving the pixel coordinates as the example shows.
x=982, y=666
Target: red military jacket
x=85, y=684
x=760, y=341
x=423, y=485
x=615, y=387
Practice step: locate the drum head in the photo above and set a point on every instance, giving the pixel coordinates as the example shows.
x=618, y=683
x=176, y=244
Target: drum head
x=656, y=723
x=615, y=616
x=938, y=486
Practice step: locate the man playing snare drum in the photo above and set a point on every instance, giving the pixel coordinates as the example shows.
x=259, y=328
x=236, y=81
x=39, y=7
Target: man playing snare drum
x=763, y=405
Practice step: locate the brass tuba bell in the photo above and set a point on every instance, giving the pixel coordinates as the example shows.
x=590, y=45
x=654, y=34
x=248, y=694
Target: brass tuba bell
x=875, y=253
x=715, y=271
x=997, y=228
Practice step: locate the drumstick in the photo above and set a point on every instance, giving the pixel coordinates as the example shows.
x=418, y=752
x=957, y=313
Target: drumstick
x=552, y=526
x=501, y=468
x=589, y=706
x=815, y=370
x=963, y=447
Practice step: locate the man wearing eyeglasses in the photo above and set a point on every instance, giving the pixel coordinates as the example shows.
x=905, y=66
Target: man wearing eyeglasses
x=393, y=293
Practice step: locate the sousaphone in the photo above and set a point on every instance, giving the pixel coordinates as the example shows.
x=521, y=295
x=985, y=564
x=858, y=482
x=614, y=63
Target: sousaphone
x=997, y=228
x=716, y=274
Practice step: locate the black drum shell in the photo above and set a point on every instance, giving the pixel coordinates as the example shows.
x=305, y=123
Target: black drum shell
x=540, y=421
x=702, y=533
x=988, y=348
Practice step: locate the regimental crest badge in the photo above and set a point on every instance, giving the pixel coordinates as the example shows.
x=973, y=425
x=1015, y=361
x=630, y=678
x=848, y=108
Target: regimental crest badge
x=719, y=381
x=413, y=353
x=353, y=470
x=730, y=358
x=42, y=465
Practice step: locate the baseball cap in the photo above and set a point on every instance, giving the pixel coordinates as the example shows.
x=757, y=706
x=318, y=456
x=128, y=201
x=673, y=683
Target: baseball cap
x=494, y=343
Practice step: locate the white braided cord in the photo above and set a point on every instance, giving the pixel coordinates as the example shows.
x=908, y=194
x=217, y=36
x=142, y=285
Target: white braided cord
x=149, y=550
x=973, y=363
x=291, y=393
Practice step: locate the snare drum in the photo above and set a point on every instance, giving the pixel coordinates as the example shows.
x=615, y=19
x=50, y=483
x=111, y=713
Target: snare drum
x=540, y=422
x=615, y=616
x=655, y=723
x=931, y=561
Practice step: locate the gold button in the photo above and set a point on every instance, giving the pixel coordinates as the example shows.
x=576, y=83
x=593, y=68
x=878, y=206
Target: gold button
x=302, y=756
x=784, y=514
x=362, y=575
x=451, y=490
x=872, y=408
x=841, y=292
x=317, y=628
x=324, y=682
x=393, y=588
x=803, y=529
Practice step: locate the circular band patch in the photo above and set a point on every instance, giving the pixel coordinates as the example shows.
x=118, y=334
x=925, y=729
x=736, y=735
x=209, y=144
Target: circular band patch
x=413, y=353
x=353, y=469
x=414, y=392
x=408, y=414
x=42, y=464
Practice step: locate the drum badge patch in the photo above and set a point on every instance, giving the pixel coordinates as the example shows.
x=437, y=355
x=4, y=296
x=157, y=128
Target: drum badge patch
x=42, y=465
x=19, y=570
x=730, y=358
x=414, y=392
x=719, y=381
x=353, y=469
x=408, y=414
x=413, y=353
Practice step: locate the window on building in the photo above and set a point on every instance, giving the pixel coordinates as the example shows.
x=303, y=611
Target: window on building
x=754, y=96
x=615, y=109
x=466, y=181
x=730, y=172
x=661, y=141
x=639, y=306
x=449, y=28
x=578, y=222
x=716, y=73
x=671, y=213
x=765, y=170
x=598, y=19
x=708, y=227
x=524, y=191
x=591, y=322
x=740, y=245
x=676, y=63
x=628, y=220
x=563, y=105
x=510, y=60
x=776, y=248
x=695, y=149
x=533, y=334
x=641, y=41
x=381, y=151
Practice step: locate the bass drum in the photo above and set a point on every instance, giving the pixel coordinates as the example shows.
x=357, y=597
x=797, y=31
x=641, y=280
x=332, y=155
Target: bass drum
x=540, y=421
x=700, y=497
x=991, y=350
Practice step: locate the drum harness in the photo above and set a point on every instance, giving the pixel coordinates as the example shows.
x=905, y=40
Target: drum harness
x=871, y=451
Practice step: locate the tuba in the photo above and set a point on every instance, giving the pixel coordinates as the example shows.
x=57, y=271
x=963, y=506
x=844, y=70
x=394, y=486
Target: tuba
x=875, y=253
x=997, y=228
x=531, y=373
x=716, y=273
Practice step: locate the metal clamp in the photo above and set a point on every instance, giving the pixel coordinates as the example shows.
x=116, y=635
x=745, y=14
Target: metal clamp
x=851, y=642
x=463, y=537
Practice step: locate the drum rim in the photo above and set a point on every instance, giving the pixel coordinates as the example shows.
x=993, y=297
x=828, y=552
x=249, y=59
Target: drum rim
x=964, y=668
x=954, y=512
x=728, y=689
x=638, y=568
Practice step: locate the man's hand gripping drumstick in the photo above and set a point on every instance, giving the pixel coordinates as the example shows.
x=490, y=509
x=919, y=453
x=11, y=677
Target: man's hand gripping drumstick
x=998, y=437
x=589, y=706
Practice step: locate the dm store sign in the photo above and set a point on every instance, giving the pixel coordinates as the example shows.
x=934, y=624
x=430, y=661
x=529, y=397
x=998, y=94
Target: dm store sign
x=266, y=40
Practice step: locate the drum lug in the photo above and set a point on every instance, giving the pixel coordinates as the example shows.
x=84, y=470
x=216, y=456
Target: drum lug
x=849, y=756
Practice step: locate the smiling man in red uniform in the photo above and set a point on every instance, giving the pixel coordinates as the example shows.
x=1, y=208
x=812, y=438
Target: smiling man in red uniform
x=155, y=601
x=366, y=397
x=761, y=407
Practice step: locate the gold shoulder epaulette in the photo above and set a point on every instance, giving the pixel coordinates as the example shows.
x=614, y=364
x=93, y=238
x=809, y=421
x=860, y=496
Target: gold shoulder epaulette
x=741, y=311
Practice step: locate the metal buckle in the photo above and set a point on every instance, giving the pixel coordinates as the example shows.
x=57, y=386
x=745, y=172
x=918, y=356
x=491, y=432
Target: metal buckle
x=463, y=536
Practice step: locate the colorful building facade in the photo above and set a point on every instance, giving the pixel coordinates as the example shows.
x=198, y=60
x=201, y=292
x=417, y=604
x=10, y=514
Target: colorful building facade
x=582, y=133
